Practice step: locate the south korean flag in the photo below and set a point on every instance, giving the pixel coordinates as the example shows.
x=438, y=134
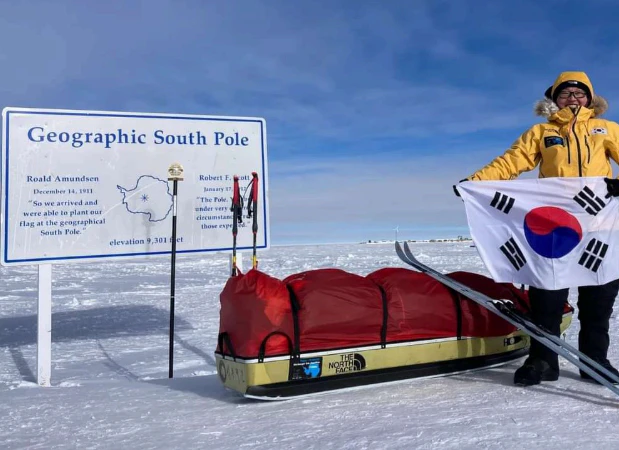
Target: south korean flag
x=551, y=233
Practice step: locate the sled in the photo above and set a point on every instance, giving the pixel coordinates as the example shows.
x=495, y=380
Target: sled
x=327, y=329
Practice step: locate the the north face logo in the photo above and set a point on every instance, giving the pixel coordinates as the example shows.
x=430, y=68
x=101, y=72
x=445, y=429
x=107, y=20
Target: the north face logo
x=350, y=362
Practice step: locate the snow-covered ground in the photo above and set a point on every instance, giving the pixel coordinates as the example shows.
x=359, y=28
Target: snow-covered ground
x=110, y=386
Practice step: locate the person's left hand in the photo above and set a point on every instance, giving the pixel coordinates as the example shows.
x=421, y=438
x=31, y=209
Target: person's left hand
x=456, y=189
x=613, y=187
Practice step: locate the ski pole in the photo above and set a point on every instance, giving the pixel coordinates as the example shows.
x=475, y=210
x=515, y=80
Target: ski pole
x=237, y=207
x=252, y=210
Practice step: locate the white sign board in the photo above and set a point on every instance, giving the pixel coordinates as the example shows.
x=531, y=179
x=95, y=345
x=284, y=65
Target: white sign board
x=86, y=185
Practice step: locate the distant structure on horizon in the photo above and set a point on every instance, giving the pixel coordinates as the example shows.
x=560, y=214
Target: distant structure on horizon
x=387, y=241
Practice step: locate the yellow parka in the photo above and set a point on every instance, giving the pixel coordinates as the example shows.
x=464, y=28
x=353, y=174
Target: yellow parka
x=571, y=144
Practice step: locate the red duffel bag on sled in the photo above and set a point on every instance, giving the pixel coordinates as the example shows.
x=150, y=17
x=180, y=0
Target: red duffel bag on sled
x=327, y=309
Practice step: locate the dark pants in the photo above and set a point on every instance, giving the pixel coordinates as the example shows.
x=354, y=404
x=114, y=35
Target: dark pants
x=595, y=305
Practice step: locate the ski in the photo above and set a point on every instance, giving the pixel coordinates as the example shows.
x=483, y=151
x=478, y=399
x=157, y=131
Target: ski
x=505, y=310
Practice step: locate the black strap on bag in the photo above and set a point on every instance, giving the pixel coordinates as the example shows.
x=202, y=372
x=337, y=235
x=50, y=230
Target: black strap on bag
x=383, y=328
x=295, y=307
x=295, y=355
x=457, y=298
x=224, y=338
x=263, y=344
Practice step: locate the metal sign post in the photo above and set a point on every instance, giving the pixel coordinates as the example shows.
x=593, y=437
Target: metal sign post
x=44, y=326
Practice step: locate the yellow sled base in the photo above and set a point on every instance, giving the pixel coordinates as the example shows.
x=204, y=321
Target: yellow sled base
x=289, y=376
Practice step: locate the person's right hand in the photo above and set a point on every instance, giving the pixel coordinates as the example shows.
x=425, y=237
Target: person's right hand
x=613, y=187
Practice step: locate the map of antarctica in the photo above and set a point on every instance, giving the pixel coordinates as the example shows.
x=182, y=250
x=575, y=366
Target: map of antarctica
x=150, y=196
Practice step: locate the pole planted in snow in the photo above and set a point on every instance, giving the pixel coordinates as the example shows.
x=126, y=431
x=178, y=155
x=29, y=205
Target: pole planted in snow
x=175, y=174
x=237, y=217
x=252, y=206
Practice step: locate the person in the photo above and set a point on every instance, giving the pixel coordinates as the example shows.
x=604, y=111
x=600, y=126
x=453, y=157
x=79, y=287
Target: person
x=573, y=142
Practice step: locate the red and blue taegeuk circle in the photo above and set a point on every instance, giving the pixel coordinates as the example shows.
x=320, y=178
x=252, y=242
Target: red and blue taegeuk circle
x=552, y=232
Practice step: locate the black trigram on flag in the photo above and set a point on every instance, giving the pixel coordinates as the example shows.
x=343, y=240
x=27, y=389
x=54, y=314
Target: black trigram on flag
x=589, y=201
x=593, y=255
x=513, y=254
x=502, y=202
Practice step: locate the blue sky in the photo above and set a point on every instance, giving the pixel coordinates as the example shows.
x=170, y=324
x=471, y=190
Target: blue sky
x=373, y=109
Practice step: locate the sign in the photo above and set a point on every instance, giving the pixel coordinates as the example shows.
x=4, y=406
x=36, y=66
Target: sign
x=87, y=185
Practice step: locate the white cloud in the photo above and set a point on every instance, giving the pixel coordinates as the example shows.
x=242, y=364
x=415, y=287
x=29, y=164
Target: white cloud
x=320, y=68
x=328, y=77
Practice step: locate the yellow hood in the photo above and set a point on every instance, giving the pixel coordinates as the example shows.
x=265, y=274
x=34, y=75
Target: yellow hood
x=547, y=106
x=566, y=78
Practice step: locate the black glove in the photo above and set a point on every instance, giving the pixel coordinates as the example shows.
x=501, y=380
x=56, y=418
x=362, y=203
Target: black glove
x=613, y=187
x=456, y=189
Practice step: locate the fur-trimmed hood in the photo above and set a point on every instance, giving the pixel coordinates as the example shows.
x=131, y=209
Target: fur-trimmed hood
x=546, y=107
